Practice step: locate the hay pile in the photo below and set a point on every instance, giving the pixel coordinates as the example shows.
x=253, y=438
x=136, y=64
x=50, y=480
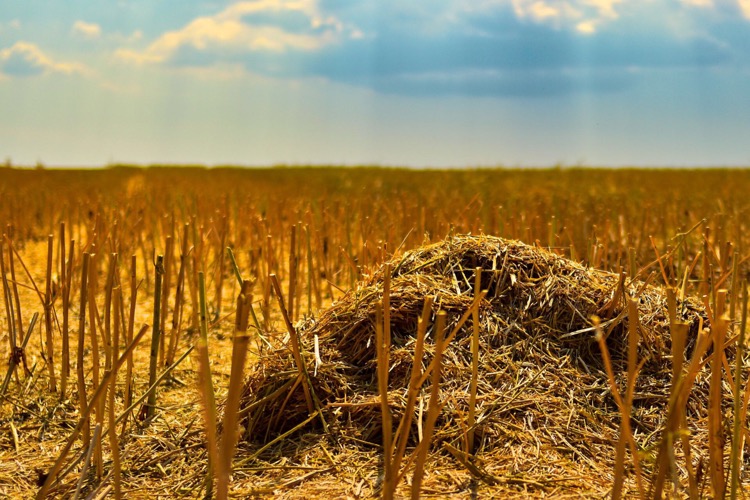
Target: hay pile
x=544, y=401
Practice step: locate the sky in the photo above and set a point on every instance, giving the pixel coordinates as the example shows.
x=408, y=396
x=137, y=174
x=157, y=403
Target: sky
x=423, y=83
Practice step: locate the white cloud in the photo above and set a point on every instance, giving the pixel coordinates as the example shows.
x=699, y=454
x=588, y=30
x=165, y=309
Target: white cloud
x=541, y=10
x=583, y=15
x=229, y=30
x=545, y=10
x=745, y=8
x=87, y=30
x=27, y=59
x=586, y=27
x=605, y=8
x=240, y=9
x=698, y=3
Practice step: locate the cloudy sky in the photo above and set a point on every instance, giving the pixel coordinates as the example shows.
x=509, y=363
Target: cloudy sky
x=393, y=82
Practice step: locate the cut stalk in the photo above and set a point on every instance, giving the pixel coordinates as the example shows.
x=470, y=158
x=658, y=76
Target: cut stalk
x=235, y=267
x=81, y=342
x=108, y=352
x=113, y=441
x=240, y=343
x=382, y=350
x=625, y=429
x=679, y=332
x=129, y=337
x=52, y=385
x=678, y=396
x=65, y=282
x=404, y=429
x=8, y=310
x=206, y=388
x=433, y=408
x=93, y=313
x=715, y=420
x=471, y=421
x=155, y=334
x=193, y=279
x=14, y=283
x=737, y=441
x=174, y=335
x=164, y=303
x=292, y=273
x=298, y=288
x=310, y=273
x=93, y=316
x=219, y=276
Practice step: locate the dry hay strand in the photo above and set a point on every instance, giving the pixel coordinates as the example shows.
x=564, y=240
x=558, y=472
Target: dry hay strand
x=543, y=397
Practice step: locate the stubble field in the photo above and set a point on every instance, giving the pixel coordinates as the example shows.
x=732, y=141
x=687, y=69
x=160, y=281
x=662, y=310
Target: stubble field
x=290, y=304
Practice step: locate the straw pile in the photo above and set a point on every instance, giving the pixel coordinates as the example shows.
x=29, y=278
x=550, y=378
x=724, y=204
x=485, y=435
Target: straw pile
x=543, y=396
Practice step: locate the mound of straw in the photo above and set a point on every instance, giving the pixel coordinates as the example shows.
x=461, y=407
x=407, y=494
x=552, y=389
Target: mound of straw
x=543, y=398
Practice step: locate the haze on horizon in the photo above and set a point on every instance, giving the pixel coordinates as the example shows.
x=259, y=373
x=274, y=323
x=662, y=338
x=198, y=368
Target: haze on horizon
x=439, y=83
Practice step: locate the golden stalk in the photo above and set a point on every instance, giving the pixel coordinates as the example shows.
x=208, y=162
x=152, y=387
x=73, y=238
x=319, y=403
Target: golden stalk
x=81, y=341
x=678, y=396
x=205, y=386
x=383, y=350
x=240, y=343
x=165, y=290
x=174, y=335
x=155, y=335
x=113, y=441
x=679, y=332
x=219, y=276
x=404, y=428
x=65, y=282
x=12, y=268
x=625, y=429
x=740, y=406
x=471, y=420
x=93, y=320
x=48, y=313
x=433, y=408
x=292, y=272
x=129, y=337
x=715, y=418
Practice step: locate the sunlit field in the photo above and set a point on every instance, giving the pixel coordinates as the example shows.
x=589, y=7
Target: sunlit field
x=357, y=332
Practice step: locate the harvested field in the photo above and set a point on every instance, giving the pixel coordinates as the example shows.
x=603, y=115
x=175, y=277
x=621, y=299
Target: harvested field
x=514, y=393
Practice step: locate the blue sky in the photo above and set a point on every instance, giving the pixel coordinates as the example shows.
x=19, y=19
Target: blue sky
x=418, y=83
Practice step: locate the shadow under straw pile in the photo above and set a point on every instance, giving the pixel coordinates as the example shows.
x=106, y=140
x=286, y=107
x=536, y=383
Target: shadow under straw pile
x=543, y=396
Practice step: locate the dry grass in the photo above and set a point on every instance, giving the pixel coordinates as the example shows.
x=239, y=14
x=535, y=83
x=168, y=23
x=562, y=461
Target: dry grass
x=538, y=406
x=543, y=399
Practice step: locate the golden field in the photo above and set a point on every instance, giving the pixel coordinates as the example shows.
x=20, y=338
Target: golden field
x=90, y=257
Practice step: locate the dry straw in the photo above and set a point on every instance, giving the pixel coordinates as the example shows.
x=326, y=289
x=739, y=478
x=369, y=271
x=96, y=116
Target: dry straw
x=532, y=391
